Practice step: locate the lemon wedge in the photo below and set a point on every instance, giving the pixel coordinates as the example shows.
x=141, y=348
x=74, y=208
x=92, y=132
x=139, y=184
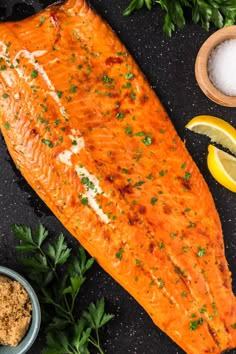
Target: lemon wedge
x=215, y=128
x=222, y=167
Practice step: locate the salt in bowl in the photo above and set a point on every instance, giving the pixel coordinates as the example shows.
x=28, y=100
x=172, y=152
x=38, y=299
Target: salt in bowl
x=201, y=66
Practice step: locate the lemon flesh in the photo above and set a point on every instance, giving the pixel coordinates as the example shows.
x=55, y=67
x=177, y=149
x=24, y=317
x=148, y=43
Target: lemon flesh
x=218, y=130
x=222, y=167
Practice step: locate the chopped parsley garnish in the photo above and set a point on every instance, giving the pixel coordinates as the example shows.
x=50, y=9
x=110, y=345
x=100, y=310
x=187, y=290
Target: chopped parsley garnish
x=138, y=184
x=150, y=176
x=3, y=67
x=194, y=324
x=128, y=130
x=73, y=88
x=86, y=182
x=147, y=140
x=203, y=309
x=201, y=251
x=83, y=200
x=187, y=175
x=42, y=19
x=119, y=253
x=140, y=134
x=129, y=76
x=191, y=224
x=162, y=131
x=163, y=172
x=187, y=210
x=122, y=54
x=161, y=283
x=42, y=120
x=34, y=74
x=72, y=59
x=127, y=85
x=7, y=126
x=59, y=94
x=154, y=200
x=5, y=95
x=47, y=142
x=106, y=79
x=120, y=115
x=58, y=121
x=45, y=109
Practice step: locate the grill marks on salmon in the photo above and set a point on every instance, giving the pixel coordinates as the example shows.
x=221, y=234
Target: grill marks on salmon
x=92, y=139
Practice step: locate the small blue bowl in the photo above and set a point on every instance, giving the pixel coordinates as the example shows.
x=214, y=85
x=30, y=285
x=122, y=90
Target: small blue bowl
x=33, y=330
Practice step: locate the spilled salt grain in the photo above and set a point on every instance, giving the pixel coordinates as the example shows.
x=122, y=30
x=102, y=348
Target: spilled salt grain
x=222, y=67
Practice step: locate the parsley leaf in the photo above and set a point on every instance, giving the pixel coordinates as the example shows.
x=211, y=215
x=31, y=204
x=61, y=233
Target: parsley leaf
x=95, y=314
x=220, y=13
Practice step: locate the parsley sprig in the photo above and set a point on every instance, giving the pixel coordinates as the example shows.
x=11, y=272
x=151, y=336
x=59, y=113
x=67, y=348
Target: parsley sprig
x=206, y=12
x=57, y=277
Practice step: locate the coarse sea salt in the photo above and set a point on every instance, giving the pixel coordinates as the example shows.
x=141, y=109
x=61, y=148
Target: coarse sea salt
x=222, y=67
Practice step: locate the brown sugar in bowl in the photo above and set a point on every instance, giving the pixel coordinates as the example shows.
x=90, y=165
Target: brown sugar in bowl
x=30, y=336
x=201, y=66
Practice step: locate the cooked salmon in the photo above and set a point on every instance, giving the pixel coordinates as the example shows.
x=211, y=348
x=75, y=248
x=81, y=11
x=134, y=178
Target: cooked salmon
x=91, y=137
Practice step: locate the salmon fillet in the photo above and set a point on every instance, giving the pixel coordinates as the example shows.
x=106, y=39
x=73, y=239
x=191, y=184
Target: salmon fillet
x=92, y=139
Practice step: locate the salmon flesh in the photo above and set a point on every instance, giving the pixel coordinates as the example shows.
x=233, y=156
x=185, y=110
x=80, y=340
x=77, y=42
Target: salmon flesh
x=91, y=137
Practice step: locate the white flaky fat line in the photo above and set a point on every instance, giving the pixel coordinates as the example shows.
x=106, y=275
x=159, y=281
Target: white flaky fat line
x=21, y=72
x=65, y=157
x=91, y=193
x=31, y=56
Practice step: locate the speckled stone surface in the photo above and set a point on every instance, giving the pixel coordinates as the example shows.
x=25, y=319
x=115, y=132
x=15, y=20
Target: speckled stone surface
x=168, y=64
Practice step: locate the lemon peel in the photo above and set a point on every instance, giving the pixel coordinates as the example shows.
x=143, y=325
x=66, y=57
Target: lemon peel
x=217, y=129
x=222, y=167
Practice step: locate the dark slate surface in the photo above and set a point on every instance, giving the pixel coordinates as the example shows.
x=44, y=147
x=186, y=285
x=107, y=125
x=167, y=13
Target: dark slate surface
x=168, y=64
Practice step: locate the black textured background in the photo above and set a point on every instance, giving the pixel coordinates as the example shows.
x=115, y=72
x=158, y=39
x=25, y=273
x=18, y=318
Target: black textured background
x=169, y=66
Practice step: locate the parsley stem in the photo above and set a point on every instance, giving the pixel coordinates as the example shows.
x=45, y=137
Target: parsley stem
x=73, y=350
x=73, y=301
x=95, y=343
x=69, y=309
x=68, y=315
